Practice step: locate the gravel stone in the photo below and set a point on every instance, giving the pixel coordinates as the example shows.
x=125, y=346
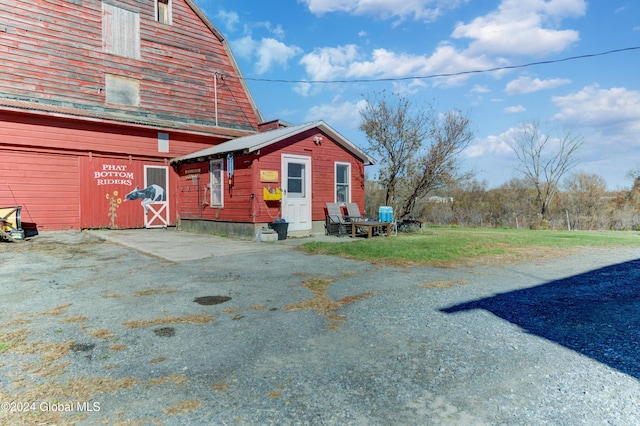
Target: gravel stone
x=545, y=341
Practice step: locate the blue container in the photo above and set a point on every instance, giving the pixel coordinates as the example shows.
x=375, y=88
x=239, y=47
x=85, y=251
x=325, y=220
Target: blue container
x=385, y=214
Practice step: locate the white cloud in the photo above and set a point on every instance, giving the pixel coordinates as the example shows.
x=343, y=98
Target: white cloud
x=480, y=89
x=422, y=10
x=513, y=27
x=509, y=30
x=244, y=47
x=596, y=107
x=229, y=19
x=268, y=52
x=329, y=63
x=276, y=31
x=343, y=62
x=494, y=146
x=271, y=52
x=529, y=85
x=515, y=109
x=340, y=113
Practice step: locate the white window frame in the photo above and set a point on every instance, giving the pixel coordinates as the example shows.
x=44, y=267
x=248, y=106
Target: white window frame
x=167, y=15
x=216, y=186
x=336, y=183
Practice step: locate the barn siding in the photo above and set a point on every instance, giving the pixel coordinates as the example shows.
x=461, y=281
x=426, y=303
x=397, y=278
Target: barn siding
x=50, y=165
x=46, y=186
x=53, y=52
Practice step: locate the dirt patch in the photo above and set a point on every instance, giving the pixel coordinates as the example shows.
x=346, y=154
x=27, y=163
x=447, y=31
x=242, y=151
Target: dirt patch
x=183, y=407
x=188, y=319
x=323, y=304
x=443, y=284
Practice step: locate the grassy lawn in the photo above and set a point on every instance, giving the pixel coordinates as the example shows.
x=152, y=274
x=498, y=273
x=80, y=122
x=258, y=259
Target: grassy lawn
x=448, y=246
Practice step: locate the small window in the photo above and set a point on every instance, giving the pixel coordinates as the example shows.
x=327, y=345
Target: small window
x=163, y=11
x=343, y=182
x=216, y=170
x=295, y=180
x=121, y=90
x=163, y=142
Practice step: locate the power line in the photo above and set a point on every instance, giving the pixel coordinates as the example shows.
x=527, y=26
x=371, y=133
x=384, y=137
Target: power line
x=442, y=75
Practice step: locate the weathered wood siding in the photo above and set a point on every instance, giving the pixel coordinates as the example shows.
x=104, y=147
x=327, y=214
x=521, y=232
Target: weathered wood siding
x=52, y=51
x=60, y=53
x=238, y=203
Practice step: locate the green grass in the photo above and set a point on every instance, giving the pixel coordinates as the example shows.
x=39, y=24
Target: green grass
x=451, y=245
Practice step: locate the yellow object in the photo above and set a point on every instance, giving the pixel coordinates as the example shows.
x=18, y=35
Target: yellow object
x=271, y=196
x=268, y=176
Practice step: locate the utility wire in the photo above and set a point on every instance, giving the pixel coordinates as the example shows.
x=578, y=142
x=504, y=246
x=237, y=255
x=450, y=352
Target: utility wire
x=453, y=74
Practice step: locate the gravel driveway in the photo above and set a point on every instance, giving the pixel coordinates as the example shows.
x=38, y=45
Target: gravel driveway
x=93, y=332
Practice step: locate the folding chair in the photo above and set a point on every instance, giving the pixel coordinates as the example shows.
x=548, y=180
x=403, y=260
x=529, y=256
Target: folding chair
x=335, y=223
x=353, y=212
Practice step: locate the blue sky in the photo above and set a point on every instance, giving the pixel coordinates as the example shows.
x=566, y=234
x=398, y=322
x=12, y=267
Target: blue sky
x=348, y=40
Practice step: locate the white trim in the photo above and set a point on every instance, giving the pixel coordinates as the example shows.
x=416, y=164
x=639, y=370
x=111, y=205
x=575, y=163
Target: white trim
x=169, y=13
x=305, y=223
x=157, y=212
x=335, y=181
x=219, y=161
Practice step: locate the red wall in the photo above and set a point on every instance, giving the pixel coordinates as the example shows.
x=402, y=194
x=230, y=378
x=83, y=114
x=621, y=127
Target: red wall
x=49, y=168
x=45, y=185
x=238, y=204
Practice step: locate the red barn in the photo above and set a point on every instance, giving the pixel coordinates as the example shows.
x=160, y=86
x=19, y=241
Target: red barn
x=97, y=97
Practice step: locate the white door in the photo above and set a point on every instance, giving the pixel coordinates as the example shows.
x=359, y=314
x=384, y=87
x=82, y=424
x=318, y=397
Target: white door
x=156, y=200
x=296, y=181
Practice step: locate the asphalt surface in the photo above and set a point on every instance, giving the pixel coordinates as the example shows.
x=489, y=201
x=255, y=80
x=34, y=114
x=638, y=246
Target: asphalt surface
x=171, y=328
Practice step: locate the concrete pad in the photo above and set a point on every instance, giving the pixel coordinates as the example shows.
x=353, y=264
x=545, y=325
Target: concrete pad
x=178, y=246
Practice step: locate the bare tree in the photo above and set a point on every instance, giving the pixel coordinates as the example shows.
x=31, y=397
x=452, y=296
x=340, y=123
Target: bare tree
x=586, y=199
x=397, y=136
x=544, y=159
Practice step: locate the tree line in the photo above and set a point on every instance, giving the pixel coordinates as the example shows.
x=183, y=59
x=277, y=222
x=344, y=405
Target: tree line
x=419, y=175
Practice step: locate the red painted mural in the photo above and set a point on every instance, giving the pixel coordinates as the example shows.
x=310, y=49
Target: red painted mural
x=125, y=193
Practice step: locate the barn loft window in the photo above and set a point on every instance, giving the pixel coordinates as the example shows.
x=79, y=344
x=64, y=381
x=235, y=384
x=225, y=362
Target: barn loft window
x=120, y=31
x=163, y=11
x=216, y=170
x=343, y=182
x=122, y=90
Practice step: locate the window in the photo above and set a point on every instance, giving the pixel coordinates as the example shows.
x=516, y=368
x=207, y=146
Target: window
x=295, y=180
x=163, y=142
x=163, y=11
x=121, y=90
x=343, y=182
x=216, y=170
x=120, y=31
